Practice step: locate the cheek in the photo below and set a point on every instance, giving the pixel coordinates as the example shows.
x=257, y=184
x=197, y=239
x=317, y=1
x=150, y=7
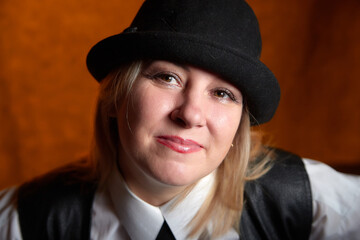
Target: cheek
x=149, y=108
x=147, y=111
x=224, y=125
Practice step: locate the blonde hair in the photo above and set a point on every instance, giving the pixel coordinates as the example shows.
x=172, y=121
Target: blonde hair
x=224, y=204
x=113, y=89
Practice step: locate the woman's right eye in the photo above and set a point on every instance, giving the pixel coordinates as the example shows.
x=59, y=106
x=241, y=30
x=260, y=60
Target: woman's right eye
x=166, y=78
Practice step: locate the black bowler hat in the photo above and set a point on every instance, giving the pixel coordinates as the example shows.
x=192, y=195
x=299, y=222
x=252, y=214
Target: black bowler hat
x=221, y=36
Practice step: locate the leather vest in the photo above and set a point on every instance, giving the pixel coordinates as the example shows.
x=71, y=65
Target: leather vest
x=277, y=206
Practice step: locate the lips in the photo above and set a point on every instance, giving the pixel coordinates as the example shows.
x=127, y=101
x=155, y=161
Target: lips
x=179, y=144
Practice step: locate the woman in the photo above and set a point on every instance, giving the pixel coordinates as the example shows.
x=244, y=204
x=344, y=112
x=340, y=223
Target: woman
x=173, y=154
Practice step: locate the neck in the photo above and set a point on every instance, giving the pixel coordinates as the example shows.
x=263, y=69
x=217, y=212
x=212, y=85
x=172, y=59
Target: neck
x=153, y=192
x=147, y=188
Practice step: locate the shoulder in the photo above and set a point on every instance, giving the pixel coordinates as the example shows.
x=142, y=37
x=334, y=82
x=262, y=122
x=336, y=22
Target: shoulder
x=279, y=204
x=287, y=177
x=59, y=183
x=61, y=200
x=335, y=214
x=287, y=173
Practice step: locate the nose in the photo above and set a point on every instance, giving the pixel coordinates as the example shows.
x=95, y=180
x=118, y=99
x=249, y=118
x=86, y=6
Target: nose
x=190, y=112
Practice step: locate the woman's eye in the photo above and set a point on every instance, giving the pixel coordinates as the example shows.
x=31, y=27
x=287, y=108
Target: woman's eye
x=220, y=94
x=224, y=94
x=167, y=78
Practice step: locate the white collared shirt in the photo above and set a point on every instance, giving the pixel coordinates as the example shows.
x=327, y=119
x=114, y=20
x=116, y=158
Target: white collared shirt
x=118, y=214
x=139, y=220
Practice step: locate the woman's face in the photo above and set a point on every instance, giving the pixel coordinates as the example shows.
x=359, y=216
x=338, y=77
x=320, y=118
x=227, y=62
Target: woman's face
x=177, y=125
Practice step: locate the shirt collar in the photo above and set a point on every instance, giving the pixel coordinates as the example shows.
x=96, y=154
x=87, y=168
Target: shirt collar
x=180, y=215
x=143, y=221
x=140, y=219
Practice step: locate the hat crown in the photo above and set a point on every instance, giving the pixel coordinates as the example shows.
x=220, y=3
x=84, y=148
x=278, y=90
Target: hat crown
x=229, y=23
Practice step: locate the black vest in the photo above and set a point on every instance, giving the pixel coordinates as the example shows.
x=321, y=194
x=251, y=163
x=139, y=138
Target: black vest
x=277, y=205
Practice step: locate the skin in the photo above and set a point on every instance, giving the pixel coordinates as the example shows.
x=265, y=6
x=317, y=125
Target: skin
x=176, y=127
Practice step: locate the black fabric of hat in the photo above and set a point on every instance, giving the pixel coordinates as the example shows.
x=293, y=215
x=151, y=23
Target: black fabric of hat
x=221, y=36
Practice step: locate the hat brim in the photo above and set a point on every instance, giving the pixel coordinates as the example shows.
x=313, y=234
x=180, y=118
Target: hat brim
x=256, y=82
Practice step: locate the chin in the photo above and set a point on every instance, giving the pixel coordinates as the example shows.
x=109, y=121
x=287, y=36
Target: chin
x=176, y=179
x=175, y=173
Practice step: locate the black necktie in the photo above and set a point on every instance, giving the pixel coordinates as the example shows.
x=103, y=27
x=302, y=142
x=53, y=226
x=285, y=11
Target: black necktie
x=165, y=233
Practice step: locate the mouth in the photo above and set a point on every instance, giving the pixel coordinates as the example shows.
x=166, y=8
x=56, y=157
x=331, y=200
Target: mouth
x=179, y=144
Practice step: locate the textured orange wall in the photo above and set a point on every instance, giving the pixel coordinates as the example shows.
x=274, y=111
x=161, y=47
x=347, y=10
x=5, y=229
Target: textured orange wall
x=47, y=97
x=313, y=48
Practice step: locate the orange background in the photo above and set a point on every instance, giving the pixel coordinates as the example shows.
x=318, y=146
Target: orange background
x=47, y=96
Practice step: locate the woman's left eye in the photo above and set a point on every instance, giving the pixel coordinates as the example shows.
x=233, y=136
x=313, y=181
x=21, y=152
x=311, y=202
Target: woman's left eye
x=224, y=94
